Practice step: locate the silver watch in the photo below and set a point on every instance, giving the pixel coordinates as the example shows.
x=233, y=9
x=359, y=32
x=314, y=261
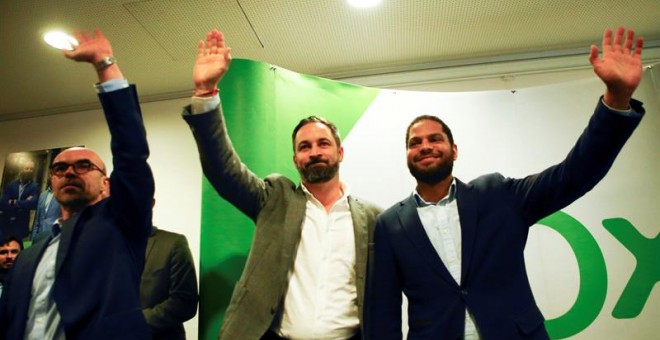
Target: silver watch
x=105, y=62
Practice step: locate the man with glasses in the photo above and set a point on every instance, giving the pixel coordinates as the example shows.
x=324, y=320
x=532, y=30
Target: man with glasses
x=82, y=282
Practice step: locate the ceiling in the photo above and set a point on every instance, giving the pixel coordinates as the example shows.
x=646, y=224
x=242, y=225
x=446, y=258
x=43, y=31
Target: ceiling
x=155, y=41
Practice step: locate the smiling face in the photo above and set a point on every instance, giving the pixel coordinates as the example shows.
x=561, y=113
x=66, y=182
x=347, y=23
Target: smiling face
x=316, y=153
x=429, y=151
x=76, y=191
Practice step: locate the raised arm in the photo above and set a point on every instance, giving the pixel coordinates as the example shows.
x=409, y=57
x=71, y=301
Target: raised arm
x=131, y=181
x=620, y=66
x=220, y=162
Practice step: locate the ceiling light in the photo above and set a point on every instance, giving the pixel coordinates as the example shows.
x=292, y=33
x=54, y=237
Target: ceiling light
x=363, y=3
x=60, y=40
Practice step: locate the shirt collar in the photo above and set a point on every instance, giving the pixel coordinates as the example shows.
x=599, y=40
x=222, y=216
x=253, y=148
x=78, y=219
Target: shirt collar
x=451, y=196
x=345, y=190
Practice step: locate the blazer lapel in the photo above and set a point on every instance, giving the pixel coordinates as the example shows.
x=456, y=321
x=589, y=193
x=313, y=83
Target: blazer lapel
x=66, y=236
x=467, y=212
x=409, y=220
x=360, y=225
x=150, y=243
x=292, y=227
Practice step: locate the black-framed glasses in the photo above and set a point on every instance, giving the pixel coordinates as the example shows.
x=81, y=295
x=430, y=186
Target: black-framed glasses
x=80, y=167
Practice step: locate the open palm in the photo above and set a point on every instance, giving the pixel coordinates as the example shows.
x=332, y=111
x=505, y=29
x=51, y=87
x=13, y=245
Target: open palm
x=620, y=67
x=213, y=59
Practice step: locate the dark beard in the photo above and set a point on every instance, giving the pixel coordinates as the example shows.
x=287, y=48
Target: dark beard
x=311, y=174
x=432, y=175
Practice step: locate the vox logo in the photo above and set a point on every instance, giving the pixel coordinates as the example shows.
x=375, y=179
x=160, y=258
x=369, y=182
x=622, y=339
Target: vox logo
x=593, y=272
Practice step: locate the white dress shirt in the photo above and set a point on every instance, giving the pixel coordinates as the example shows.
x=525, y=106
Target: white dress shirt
x=321, y=299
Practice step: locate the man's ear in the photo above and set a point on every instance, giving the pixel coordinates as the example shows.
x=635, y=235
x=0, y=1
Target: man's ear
x=105, y=186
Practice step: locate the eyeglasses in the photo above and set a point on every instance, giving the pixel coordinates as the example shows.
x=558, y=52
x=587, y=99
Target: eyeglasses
x=80, y=167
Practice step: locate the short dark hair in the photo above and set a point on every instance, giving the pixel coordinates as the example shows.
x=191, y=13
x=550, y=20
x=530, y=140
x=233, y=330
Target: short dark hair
x=5, y=240
x=445, y=127
x=316, y=119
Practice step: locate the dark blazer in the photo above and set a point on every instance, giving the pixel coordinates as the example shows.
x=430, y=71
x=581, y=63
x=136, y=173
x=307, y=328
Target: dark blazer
x=277, y=206
x=168, y=291
x=100, y=259
x=16, y=218
x=495, y=215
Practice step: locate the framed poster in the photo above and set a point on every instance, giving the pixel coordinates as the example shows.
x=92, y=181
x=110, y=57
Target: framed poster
x=24, y=180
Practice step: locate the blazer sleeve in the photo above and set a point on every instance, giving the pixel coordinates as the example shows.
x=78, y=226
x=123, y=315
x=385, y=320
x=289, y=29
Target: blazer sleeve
x=585, y=165
x=131, y=181
x=30, y=197
x=221, y=164
x=10, y=190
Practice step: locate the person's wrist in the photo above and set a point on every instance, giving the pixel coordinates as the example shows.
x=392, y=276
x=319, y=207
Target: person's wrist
x=616, y=100
x=105, y=62
x=205, y=92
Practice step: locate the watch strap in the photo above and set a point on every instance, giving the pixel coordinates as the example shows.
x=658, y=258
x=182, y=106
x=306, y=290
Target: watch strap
x=105, y=62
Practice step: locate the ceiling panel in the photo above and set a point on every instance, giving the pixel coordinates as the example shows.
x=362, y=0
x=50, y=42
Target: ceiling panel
x=155, y=41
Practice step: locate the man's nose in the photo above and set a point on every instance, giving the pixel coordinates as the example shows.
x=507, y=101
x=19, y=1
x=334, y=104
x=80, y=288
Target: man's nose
x=69, y=172
x=315, y=151
x=426, y=145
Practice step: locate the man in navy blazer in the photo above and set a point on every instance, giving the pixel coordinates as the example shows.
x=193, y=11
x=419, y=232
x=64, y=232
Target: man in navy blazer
x=83, y=281
x=456, y=250
x=18, y=199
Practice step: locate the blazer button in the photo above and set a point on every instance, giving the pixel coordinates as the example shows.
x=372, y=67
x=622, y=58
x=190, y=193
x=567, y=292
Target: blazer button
x=463, y=292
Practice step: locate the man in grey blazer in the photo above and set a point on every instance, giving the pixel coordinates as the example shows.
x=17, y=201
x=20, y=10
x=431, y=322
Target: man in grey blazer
x=305, y=274
x=168, y=289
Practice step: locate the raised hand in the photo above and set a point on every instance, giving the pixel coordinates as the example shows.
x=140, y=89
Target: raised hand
x=620, y=67
x=91, y=49
x=213, y=59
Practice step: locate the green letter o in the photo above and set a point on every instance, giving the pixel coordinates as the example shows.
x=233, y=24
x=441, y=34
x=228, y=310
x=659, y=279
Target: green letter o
x=593, y=277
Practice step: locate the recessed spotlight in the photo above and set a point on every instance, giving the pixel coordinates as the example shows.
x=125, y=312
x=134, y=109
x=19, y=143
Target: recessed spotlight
x=363, y=3
x=60, y=40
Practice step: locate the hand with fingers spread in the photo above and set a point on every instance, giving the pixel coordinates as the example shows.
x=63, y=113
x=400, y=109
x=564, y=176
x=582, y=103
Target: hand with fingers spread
x=620, y=67
x=213, y=59
x=94, y=49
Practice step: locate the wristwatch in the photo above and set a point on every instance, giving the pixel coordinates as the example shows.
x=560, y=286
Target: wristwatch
x=105, y=62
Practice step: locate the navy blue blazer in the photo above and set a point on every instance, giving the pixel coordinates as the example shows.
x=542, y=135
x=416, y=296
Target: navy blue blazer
x=495, y=215
x=101, y=258
x=15, y=219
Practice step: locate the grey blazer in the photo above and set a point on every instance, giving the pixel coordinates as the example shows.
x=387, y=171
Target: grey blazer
x=277, y=206
x=168, y=289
